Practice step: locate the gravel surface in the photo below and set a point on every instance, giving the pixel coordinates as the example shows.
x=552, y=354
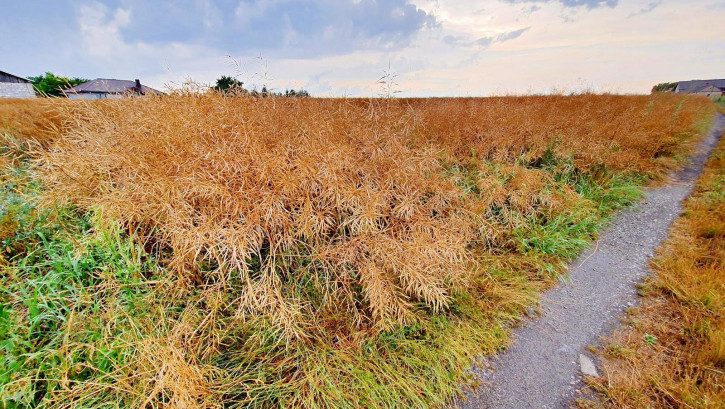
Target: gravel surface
x=543, y=368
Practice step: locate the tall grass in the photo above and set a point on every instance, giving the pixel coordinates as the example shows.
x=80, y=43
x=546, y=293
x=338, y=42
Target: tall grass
x=340, y=194
x=36, y=121
x=324, y=252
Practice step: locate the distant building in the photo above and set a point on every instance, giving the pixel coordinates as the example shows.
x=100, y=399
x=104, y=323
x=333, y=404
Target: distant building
x=711, y=92
x=12, y=86
x=712, y=89
x=101, y=88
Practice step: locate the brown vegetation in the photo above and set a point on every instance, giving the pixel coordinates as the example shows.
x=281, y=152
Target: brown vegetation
x=29, y=119
x=672, y=353
x=345, y=193
x=335, y=252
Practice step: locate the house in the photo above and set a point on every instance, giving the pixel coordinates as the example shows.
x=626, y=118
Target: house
x=712, y=89
x=101, y=88
x=12, y=86
x=711, y=92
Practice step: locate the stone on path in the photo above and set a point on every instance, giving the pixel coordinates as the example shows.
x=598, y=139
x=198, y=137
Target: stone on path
x=587, y=366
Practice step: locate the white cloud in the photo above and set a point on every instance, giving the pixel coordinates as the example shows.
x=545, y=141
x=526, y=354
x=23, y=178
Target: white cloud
x=247, y=11
x=212, y=15
x=101, y=34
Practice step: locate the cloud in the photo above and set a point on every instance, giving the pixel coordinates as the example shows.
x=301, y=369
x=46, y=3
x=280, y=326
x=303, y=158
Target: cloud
x=648, y=8
x=454, y=40
x=511, y=35
x=341, y=47
x=487, y=41
x=101, y=35
x=532, y=8
x=131, y=38
x=589, y=4
x=101, y=49
x=300, y=28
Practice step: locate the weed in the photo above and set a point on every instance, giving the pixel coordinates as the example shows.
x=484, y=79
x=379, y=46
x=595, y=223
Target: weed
x=650, y=339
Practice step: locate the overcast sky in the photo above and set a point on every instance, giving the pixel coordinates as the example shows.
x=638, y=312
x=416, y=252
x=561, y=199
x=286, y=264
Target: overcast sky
x=342, y=47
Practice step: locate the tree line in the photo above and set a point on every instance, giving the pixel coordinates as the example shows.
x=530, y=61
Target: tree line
x=52, y=85
x=228, y=85
x=665, y=87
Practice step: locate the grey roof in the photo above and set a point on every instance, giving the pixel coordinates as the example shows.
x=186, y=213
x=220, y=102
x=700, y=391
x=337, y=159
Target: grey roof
x=15, y=76
x=711, y=88
x=699, y=85
x=109, y=86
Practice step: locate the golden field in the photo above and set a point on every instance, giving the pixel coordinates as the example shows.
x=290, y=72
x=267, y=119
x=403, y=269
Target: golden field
x=263, y=252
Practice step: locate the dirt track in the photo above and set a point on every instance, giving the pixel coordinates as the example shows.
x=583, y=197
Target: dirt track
x=543, y=367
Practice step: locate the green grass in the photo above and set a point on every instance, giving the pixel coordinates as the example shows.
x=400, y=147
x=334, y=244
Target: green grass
x=73, y=300
x=82, y=302
x=567, y=233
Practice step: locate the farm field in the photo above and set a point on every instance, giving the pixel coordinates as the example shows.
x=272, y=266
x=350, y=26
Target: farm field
x=198, y=250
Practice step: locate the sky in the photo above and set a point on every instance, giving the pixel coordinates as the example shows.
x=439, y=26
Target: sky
x=344, y=47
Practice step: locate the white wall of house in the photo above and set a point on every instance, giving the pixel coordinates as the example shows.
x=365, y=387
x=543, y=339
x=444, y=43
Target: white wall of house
x=16, y=90
x=94, y=95
x=86, y=95
x=712, y=94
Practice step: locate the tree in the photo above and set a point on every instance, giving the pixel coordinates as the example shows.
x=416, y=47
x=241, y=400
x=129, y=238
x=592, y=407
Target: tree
x=299, y=94
x=230, y=85
x=665, y=87
x=226, y=83
x=52, y=85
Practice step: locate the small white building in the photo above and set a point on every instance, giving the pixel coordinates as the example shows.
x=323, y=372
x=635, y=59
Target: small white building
x=101, y=88
x=12, y=86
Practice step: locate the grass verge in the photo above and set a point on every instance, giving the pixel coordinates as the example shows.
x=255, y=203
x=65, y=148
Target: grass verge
x=671, y=351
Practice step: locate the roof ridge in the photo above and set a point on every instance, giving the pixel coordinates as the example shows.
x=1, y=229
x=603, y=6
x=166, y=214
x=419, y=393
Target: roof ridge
x=16, y=76
x=108, y=85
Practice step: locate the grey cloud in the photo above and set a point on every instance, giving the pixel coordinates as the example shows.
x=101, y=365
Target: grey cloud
x=299, y=28
x=501, y=38
x=272, y=28
x=454, y=40
x=589, y=4
x=511, y=35
x=645, y=9
x=485, y=41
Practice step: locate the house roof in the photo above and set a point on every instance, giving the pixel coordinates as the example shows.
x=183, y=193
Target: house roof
x=109, y=86
x=699, y=85
x=711, y=88
x=15, y=76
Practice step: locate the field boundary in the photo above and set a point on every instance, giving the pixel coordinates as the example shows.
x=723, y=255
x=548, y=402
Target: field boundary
x=543, y=367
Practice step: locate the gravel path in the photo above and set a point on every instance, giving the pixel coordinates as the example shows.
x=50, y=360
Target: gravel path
x=543, y=367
